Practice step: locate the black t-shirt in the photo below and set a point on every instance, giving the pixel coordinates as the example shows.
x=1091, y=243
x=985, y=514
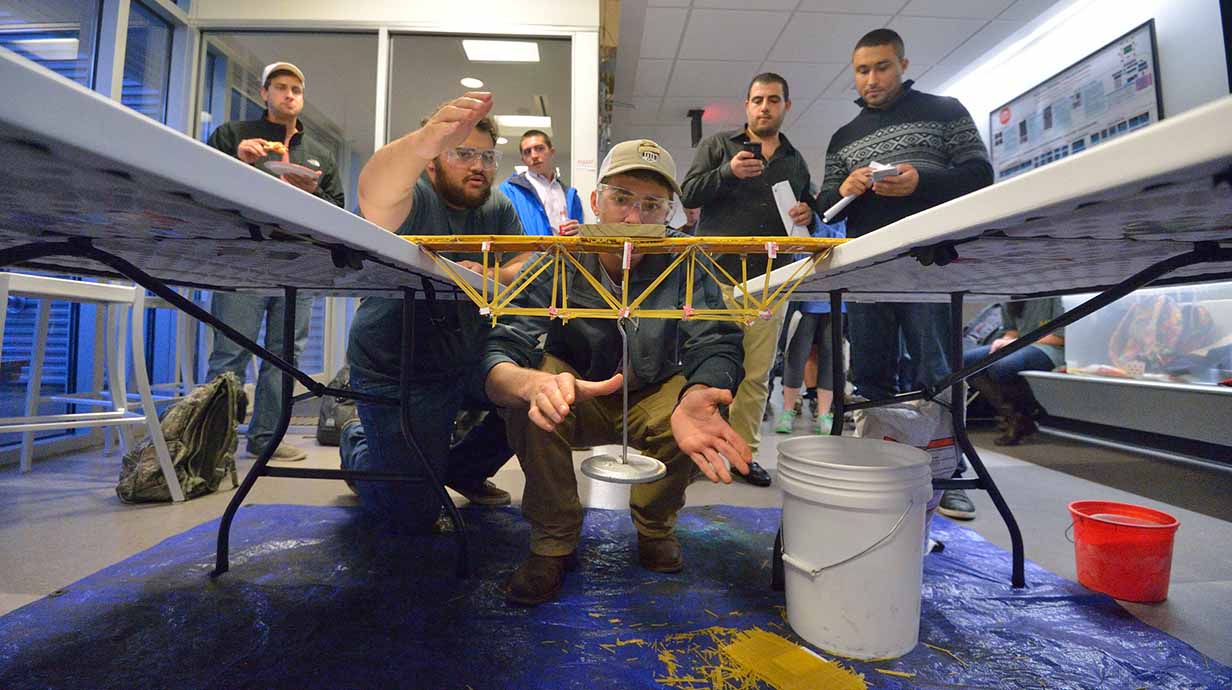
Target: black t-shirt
x=448, y=335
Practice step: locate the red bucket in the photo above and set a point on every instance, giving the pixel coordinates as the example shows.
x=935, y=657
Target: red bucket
x=1123, y=550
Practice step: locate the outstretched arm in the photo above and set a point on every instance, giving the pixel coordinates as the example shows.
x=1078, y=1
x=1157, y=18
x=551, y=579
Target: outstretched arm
x=702, y=433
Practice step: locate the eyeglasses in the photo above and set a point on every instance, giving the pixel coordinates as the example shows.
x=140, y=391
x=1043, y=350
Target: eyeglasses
x=647, y=206
x=466, y=155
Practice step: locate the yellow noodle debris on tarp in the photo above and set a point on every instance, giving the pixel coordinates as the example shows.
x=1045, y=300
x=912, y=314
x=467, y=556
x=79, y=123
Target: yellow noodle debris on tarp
x=787, y=666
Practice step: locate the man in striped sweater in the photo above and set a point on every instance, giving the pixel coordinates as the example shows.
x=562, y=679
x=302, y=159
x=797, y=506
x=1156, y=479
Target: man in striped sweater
x=937, y=149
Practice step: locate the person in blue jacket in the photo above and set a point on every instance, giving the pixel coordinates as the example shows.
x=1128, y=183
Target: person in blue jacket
x=543, y=204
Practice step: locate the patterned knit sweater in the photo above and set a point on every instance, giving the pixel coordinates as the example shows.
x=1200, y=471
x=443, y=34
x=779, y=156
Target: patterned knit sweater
x=933, y=133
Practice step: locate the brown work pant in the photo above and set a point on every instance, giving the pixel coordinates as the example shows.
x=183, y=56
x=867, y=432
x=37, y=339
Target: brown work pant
x=550, y=500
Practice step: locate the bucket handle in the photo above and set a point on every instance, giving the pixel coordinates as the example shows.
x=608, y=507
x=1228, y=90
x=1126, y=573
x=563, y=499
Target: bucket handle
x=814, y=570
x=1069, y=532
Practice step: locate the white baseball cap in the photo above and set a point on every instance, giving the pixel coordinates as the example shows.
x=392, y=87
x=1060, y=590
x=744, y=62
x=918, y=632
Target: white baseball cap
x=275, y=66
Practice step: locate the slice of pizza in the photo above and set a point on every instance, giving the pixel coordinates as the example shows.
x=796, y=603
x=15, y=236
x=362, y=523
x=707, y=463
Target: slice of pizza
x=276, y=147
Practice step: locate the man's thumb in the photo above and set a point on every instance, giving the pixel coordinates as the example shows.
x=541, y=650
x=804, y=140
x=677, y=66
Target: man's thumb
x=597, y=389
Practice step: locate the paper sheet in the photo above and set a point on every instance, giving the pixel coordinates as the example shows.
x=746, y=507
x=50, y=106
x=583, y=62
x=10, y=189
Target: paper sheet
x=785, y=199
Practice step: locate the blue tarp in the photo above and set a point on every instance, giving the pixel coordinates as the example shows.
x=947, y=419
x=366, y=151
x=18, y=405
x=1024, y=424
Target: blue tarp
x=317, y=599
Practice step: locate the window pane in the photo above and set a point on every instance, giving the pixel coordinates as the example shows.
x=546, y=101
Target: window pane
x=58, y=34
x=424, y=71
x=147, y=63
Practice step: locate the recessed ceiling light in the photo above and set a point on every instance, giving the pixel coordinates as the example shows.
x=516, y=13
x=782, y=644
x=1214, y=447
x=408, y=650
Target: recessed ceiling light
x=501, y=51
x=471, y=82
x=524, y=121
x=501, y=140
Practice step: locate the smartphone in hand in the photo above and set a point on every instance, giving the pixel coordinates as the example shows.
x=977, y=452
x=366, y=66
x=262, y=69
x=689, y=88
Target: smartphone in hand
x=754, y=147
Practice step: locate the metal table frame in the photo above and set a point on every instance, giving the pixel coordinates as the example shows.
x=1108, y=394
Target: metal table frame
x=1203, y=252
x=83, y=248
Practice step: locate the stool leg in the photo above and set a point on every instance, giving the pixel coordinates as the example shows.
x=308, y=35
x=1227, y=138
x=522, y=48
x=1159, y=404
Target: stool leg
x=117, y=372
x=35, y=385
x=147, y=399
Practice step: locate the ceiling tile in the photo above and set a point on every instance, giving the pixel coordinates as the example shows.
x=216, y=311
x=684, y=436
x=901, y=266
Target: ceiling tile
x=661, y=32
x=724, y=112
x=930, y=40
x=843, y=88
x=711, y=78
x=651, y=77
x=827, y=110
x=853, y=6
x=984, y=40
x=645, y=111
x=744, y=4
x=731, y=34
x=976, y=9
x=818, y=37
x=807, y=80
x=668, y=3
x=1027, y=9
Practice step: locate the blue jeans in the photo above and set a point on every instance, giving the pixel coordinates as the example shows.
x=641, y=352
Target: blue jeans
x=1029, y=358
x=874, y=330
x=245, y=313
x=377, y=445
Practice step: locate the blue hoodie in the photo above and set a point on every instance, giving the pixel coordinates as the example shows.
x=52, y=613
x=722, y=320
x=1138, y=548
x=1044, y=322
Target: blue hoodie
x=530, y=210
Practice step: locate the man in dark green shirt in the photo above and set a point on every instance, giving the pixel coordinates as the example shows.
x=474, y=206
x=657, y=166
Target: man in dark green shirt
x=436, y=180
x=278, y=136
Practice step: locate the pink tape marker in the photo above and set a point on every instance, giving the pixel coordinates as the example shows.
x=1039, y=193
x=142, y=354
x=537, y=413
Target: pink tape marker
x=772, y=249
x=486, y=246
x=688, y=311
x=764, y=314
x=628, y=257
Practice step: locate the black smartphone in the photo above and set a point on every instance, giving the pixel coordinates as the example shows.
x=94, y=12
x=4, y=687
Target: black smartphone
x=754, y=147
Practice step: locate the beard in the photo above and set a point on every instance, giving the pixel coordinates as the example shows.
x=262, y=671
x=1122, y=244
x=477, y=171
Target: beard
x=455, y=192
x=766, y=130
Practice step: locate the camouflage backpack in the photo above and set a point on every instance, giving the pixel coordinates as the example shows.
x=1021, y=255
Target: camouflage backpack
x=201, y=437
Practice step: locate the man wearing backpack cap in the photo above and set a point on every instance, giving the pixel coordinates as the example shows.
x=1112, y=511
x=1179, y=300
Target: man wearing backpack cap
x=278, y=135
x=568, y=393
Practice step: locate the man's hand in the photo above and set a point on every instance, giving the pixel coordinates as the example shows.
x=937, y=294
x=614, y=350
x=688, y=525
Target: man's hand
x=308, y=183
x=450, y=125
x=567, y=228
x=552, y=396
x=902, y=184
x=745, y=165
x=857, y=182
x=1001, y=342
x=801, y=214
x=251, y=150
x=474, y=266
x=702, y=433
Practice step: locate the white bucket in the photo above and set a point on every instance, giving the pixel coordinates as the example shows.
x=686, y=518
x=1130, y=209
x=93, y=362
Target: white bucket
x=853, y=542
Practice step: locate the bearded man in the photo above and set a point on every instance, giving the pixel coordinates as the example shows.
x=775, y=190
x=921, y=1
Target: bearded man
x=435, y=180
x=732, y=181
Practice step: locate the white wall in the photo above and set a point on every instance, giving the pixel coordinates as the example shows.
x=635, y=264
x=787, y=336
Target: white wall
x=1192, y=67
x=475, y=16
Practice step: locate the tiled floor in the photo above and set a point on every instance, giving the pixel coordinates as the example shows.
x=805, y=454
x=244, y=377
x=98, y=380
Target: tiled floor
x=63, y=521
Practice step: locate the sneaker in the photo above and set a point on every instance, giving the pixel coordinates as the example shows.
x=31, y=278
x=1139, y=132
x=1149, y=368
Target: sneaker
x=283, y=453
x=824, y=422
x=784, y=423
x=486, y=494
x=955, y=504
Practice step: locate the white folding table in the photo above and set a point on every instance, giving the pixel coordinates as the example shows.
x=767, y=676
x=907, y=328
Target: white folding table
x=90, y=187
x=1151, y=208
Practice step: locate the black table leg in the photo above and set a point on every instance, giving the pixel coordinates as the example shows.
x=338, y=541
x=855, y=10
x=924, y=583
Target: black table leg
x=221, y=561
x=958, y=411
x=408, y=424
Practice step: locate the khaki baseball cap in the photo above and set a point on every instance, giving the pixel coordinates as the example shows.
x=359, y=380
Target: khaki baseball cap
x=275, y=66
x=639, y=154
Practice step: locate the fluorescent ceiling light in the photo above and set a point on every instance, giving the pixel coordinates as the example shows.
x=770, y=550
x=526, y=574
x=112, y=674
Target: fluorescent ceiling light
x=501, y=141
x=501, y=51
x=49, y=48
x=471, y=82
x=524, y=121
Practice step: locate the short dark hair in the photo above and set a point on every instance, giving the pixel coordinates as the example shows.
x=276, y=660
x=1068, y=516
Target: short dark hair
x=882, y=37
x=279, y=73
x=769, y=78
x=534, y=133
x=485, y=123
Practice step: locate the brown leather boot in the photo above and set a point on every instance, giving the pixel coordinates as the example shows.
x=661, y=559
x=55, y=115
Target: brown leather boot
x=660, y=554
x=538, y=579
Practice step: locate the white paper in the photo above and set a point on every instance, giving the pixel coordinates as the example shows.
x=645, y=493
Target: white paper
x=785, y=199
